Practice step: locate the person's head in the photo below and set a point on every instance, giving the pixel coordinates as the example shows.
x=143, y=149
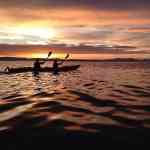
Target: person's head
x=55, y=60
x=37, y=60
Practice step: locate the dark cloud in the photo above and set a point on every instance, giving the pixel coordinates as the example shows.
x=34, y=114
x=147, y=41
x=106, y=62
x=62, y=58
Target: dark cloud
x=82, y=48
x=124, y=47
x=145, y=29
x=86, y=33
x=97, y=4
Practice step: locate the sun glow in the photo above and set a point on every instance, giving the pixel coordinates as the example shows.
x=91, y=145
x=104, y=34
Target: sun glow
x=39, y=55
x=42, y=34
x=44, y=55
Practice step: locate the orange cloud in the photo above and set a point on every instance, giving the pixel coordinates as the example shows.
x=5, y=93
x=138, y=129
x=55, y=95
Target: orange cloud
x=75, y=26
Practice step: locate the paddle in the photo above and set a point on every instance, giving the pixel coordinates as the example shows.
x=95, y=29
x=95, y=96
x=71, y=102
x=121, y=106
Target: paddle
x=67, y=56
x=49, y=54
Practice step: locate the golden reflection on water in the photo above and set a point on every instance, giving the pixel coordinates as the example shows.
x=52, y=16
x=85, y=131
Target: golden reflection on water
x=96, y=95
x=14, y=112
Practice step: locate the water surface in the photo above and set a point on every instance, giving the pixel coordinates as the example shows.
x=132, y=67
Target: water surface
x=100, y=98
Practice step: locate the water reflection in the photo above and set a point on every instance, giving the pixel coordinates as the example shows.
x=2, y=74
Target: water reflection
x=92, y=100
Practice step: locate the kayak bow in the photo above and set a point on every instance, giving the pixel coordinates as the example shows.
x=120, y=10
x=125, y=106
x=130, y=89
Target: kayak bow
x=45, y=69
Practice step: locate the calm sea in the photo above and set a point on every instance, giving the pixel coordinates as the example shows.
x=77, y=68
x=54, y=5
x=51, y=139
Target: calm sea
x=99, y=97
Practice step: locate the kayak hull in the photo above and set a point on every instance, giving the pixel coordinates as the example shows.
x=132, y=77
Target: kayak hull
x=45, y=69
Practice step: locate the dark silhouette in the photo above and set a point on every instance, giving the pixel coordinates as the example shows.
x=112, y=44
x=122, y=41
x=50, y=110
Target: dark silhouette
x=7, y=69
x=37, y=66
x=56, y=66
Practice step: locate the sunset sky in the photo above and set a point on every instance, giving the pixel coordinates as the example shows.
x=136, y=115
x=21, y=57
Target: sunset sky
x=88, y=29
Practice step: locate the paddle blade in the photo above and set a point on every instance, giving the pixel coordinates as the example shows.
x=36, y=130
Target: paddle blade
x=67, y=56
x=49, y=54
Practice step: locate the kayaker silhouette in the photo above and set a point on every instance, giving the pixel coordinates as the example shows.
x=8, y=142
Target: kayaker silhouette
x=37, y=66
x=56, y=64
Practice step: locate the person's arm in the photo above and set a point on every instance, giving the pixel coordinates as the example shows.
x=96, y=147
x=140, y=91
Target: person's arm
x=60, y=63
x=42, y=62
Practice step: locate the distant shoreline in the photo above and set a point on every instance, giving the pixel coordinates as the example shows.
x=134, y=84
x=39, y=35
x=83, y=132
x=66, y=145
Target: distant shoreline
x=90, y=60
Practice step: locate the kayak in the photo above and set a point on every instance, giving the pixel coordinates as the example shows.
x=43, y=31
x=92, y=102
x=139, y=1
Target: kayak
x=45, y=69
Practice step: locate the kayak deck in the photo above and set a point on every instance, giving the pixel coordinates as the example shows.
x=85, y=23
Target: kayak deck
x=45, y=69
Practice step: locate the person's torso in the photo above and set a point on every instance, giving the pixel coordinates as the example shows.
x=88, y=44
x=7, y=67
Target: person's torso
x=36, y=65
x=55, y=65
